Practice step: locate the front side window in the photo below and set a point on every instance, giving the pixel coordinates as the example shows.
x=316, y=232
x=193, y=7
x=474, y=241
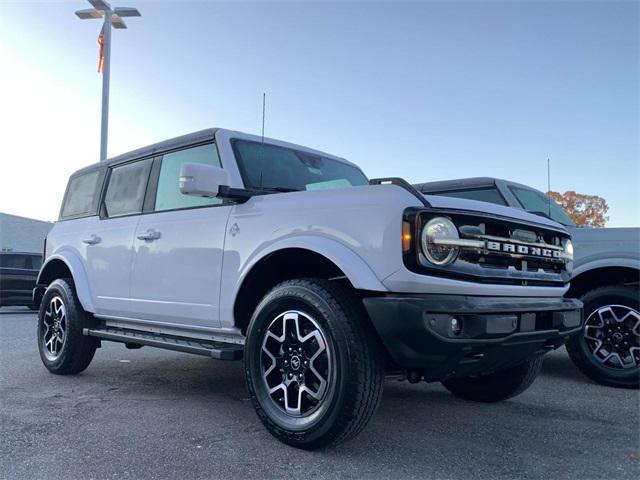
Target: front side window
x=82, y=195
x=489, y=195
x=537, y=202
x=279, y=168
x=127, y=185
x=168, y=196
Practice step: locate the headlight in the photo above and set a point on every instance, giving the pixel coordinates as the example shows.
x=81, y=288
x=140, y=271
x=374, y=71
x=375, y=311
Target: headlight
x=436, y=236
x=568, y=251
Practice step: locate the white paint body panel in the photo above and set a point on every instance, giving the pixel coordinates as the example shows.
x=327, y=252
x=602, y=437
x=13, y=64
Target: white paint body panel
x=190, y=276
x=64, y=243
x=176, y=278
x=108, y=263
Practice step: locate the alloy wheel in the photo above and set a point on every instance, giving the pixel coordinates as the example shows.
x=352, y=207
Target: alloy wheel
x=55, y=324
x=612, y=334
x=296, y=363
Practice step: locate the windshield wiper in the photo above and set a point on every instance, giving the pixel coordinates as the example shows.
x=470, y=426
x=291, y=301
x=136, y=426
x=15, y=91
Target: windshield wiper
x=540, y=214
x=281, y=189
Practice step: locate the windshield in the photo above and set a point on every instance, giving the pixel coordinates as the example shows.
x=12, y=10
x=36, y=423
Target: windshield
x=537, y=202
x=279, y=168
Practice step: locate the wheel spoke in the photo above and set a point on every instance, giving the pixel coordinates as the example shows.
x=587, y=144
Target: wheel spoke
x=280, y=386
x=288, y=408
x=273, y=361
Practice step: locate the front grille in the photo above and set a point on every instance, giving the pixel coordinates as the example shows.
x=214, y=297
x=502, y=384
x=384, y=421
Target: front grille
x=508, y=251
x=522, y=262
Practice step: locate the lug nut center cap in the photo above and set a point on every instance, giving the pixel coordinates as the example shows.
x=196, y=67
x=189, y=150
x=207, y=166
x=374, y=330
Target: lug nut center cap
x=295, y=362
x=617, y=337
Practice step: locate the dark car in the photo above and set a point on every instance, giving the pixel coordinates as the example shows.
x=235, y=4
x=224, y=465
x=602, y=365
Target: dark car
x=18, y=273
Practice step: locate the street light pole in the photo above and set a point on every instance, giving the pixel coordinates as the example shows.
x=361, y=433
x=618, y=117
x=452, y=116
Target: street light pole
x=106, y=75
x=112, y=18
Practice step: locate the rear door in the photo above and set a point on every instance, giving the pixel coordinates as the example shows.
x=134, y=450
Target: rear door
x=108, y=239
x=178, y=247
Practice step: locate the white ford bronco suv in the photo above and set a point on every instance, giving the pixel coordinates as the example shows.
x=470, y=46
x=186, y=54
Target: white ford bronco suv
x=232, y=246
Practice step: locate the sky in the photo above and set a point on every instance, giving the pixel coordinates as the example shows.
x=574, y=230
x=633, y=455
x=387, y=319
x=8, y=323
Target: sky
x=422, y=90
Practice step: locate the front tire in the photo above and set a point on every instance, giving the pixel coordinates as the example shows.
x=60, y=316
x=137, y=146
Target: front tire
x=608, y=349
x=64, y=350
x=496, y=386
x=313, y=365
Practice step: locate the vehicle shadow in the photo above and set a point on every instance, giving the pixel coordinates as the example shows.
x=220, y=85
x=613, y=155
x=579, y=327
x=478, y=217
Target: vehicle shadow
x=560, y=365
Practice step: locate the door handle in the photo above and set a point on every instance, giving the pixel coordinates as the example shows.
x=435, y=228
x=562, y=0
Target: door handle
x=149, y=235
x=92, y=240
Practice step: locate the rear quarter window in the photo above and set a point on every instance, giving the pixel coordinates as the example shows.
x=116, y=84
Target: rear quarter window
x=82, y=196
x=489, y=195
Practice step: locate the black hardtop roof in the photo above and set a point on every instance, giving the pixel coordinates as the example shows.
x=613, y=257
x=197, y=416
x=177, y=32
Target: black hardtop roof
x=456, y=184
x=150, y=150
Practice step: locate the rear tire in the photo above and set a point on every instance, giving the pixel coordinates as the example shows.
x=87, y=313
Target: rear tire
x=606, y=306
x=63, y=348
x=496, y=386
x=316, y=336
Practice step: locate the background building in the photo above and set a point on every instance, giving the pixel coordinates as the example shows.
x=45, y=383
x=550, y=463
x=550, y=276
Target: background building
x=21, y=234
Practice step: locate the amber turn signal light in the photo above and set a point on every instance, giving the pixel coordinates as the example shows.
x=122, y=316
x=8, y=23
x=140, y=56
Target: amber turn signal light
x=406, y=237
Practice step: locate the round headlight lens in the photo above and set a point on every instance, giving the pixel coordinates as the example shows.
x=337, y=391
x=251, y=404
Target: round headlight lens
x=568, y=251
x=439, y=228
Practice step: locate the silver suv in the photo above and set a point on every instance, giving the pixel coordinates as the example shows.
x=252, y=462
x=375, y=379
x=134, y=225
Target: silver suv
x=236, y=247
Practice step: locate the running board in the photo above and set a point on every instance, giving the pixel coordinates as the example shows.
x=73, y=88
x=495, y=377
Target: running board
x=208, y=348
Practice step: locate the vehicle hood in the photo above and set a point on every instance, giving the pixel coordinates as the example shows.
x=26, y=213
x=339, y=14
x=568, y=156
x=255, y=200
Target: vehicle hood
x=437, y=201
x=605, y=247
x=609, y=235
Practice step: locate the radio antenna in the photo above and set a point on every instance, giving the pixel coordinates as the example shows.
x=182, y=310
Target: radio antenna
x=549, y=184
x=264, y=102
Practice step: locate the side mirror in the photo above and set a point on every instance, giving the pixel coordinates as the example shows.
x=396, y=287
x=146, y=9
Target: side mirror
x=200, y=180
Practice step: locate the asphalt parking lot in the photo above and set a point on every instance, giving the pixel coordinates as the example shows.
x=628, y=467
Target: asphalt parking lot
x=154, y=414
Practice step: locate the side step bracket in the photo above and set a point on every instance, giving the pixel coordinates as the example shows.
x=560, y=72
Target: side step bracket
x=208, y=348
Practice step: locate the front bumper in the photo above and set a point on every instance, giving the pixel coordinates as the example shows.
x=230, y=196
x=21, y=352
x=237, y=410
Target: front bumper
x=496, y=332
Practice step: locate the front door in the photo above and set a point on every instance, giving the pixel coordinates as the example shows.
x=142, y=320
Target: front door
x=178, y=249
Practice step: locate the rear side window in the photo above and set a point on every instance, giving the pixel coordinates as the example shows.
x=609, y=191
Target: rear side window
x=168, y=196
x=83, y=193
x=126, y=189
x=489, y=195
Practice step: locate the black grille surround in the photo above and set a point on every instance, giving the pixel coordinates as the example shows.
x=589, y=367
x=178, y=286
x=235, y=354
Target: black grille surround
x=482, y=265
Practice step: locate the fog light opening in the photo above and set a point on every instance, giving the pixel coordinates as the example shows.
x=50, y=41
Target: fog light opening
x=455, y=326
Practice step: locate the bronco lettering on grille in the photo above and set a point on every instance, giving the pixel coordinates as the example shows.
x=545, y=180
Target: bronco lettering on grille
x=523, y=249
